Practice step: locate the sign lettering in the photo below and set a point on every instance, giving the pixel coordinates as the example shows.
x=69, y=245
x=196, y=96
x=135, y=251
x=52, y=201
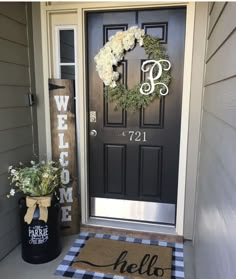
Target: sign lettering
x=38, y=234
x=148, y=265
x=62, y=102
x=64, y=149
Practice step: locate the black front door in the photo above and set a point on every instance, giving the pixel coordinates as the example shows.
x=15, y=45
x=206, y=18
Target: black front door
x=133, y=157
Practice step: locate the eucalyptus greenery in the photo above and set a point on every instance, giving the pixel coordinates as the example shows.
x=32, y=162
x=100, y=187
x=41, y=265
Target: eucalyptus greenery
x=132, y=99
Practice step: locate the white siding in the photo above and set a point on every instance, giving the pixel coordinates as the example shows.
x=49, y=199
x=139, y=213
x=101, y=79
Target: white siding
x=17, y=120
x=215, y=224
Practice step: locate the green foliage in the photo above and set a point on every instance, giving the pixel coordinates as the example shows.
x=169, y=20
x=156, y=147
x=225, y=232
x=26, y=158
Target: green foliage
x=132, y=99
x=39, y=179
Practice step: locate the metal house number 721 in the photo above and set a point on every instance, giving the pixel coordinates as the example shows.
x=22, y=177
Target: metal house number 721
x=137, y=136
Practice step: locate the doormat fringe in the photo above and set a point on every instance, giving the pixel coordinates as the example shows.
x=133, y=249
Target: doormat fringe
x=65, y=268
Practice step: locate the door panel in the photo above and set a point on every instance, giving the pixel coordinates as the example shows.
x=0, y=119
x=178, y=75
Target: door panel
x=150, y=164
x=135, y=155
x=114, y=168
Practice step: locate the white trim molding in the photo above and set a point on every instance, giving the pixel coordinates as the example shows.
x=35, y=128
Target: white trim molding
x=185, y=117
x=195, y=113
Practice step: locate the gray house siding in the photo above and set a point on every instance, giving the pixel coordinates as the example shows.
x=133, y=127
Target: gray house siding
x=215, y=224
x=18, y=132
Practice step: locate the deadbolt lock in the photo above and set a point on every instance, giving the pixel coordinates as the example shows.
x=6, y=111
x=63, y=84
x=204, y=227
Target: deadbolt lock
x=93, y=116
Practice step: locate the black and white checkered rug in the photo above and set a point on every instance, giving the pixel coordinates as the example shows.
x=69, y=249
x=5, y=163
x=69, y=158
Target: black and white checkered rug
x=65, y=269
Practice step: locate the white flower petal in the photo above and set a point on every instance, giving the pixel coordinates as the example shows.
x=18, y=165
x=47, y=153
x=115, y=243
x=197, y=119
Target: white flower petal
x=12, y=192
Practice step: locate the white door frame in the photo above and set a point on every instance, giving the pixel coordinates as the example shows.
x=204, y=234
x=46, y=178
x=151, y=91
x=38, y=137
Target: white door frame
x=81, y=118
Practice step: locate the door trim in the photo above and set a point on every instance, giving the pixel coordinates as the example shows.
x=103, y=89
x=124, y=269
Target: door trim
x=190, y=19
x=81, y=117
x=190, y=14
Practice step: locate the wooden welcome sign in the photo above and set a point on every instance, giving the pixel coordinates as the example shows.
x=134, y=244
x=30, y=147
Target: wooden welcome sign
x=62, y=112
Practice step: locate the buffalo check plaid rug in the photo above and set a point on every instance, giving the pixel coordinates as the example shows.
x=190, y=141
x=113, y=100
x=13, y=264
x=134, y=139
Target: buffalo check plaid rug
x=65, y=268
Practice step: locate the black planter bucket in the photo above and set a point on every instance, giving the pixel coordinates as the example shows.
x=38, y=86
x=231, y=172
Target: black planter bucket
x=41, y=241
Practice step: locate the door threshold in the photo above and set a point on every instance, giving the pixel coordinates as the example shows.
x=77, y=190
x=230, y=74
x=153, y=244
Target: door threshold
x=138, y=211
x=132, y=229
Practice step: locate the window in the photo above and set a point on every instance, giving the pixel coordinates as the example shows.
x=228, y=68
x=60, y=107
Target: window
x=66, y=53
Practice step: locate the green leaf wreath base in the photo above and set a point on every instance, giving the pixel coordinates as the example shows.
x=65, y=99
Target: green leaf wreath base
x=132, y=99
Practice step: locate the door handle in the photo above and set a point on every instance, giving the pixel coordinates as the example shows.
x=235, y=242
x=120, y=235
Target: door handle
x=93, y=133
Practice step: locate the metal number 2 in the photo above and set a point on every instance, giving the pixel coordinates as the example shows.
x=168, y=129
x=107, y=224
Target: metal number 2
x=137, y=136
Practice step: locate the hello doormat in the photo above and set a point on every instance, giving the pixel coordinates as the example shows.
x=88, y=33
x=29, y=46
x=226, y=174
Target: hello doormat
x=67, y=269
x=123, y=258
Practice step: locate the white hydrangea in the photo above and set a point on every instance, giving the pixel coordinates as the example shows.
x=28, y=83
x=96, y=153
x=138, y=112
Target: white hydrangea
x=113, y=52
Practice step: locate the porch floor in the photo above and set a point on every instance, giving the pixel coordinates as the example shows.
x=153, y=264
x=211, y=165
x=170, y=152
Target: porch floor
x=13, y=267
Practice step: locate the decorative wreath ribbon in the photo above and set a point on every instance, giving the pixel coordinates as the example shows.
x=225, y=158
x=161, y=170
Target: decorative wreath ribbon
x=43, y=204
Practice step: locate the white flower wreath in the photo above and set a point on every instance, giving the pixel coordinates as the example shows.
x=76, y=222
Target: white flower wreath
x=108, y=58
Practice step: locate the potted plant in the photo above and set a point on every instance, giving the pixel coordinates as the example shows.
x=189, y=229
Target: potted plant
x=39, y=209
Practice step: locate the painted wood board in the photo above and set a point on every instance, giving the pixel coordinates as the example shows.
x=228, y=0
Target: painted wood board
x=62, y=113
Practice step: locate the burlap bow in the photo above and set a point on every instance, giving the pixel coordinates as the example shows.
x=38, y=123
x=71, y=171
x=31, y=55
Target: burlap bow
x=43, y=204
